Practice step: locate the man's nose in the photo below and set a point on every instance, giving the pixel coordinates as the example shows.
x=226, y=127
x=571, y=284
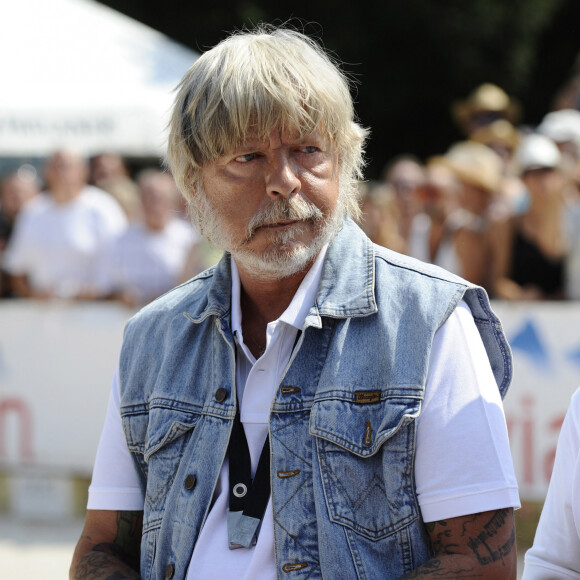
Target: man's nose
x=282, y=179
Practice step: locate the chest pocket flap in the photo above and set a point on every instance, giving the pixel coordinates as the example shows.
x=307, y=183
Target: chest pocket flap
x=165, y=427
x=360, y=426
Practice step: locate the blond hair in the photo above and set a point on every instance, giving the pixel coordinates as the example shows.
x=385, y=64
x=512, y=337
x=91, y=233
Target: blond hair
x=255, y=82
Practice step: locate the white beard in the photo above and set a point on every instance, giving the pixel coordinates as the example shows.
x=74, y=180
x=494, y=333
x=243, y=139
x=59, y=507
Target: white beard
x=284, y=256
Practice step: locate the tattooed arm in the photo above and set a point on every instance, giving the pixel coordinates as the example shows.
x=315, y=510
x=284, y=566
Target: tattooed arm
x=481, y=545
x=109, y=546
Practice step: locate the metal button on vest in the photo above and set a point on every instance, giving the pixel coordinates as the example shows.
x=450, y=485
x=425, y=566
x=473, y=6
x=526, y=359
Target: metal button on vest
x=190, y=481
x=221, y=395
x=169, y=571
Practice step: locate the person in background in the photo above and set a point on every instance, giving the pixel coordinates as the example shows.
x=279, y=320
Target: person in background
x=503, y=138
x=532, y=248
x=563, y=127
x=202, y=256
x=147, y=259
x=555, y=552
x=437, y=199
x=315, y=406
x=380, y=215
x=572, y=262
x=484, y=105
x=109, y=172
x=466, y=243
x=52, y=251
x=16, y=190
x=404, y=175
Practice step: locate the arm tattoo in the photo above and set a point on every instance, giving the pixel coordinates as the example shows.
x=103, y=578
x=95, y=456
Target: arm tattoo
x=98, y=566
x=116, y=560
x=128, y=539
x=486, y=546
x=462, y=551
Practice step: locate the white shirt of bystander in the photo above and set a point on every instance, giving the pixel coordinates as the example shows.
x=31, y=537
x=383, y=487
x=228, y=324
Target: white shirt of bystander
x=147, y=262
x=54, y=244
x=556, y=549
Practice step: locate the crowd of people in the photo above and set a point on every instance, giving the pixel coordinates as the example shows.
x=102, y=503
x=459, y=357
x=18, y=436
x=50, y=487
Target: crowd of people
x=500, y=208
x=88, y=230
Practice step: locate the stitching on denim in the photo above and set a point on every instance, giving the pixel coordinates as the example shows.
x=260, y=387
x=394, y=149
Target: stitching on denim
x=316, y=564
x=386, y=530
x=153, y=500
x=290, y=498
x=358, y=561
x=497, y=330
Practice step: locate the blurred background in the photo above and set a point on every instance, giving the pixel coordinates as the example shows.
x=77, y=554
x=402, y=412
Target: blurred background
x=473, y=163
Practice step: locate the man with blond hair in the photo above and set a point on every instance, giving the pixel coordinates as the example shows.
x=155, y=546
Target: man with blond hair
x=313, y=406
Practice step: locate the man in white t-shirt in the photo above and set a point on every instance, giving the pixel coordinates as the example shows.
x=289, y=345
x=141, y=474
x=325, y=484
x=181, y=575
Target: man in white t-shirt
x=556, y=549
x=147, y=259
x=58, y=235
x=314, y=406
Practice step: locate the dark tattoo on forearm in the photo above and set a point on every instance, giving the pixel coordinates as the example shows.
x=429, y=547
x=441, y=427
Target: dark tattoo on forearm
x=434, y=568
x=442, y=542
x=116, y=560
x=100, y=565
x=463, y=547
x=485, y=544
x=128, y=539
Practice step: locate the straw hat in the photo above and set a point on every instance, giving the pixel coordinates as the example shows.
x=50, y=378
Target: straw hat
x=500, y=131
x=475, y=164
x=485, y=98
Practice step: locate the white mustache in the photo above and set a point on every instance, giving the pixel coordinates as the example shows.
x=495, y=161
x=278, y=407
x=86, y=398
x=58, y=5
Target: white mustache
x=294, y=209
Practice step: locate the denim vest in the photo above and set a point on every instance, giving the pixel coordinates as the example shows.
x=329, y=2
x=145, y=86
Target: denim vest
x=342, y=422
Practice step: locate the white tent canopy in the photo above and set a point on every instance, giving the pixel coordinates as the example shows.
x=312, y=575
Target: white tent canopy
x=78, y=74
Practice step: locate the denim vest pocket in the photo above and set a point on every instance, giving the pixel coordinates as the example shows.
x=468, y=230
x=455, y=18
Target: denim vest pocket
x=365, y=453
x=168, y=432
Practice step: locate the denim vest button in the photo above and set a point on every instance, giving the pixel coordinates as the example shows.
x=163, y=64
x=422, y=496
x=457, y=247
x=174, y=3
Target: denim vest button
x=169, y=571
x=190, y=481
x=220, y=395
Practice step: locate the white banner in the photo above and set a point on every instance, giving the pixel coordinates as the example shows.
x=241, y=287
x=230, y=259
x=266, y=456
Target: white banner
x=545, y=341
x=57, y=361
x=56, y=365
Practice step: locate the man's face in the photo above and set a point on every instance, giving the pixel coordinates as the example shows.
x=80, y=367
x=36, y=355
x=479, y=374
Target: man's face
x=14, y=193
x=159, y=201
x=273, y=204
x=65, y=170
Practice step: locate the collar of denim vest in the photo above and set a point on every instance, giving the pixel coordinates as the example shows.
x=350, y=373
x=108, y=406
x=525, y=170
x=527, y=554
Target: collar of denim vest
x=346, y=287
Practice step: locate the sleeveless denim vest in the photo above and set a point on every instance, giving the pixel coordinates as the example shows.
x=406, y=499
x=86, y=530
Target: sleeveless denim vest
x=342, y=422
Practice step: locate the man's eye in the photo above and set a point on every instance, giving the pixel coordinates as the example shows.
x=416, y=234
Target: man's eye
x=246, y=157
x=309, y=149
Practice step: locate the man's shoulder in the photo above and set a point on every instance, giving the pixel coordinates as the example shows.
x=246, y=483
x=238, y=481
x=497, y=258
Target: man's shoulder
x=37, y=206
x=99, y=201
x=390, y=259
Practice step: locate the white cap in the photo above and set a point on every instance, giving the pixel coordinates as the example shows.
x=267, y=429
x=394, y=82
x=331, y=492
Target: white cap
x=536, y=152
x=561, y=126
